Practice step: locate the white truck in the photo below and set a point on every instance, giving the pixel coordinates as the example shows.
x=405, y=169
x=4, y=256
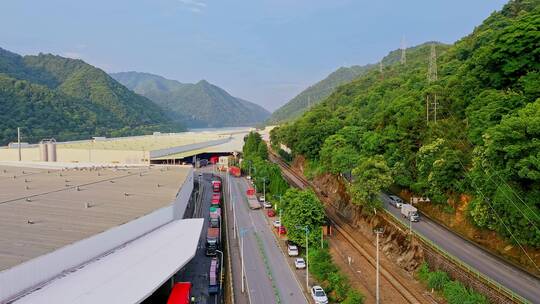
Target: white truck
x=410, y=212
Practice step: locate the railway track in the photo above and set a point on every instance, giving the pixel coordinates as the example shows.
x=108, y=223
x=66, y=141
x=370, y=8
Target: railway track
x=341, y=227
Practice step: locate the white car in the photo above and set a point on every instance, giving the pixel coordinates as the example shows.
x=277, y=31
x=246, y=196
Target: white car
x=248, y=177
x=292, y=250
x=267, y=205
x=277, y=223
x=262, y=198
x=299, y=263
x=395, y=201
x=318, y=295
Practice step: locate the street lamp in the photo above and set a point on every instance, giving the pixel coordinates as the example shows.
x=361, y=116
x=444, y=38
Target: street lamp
x=378, y=231
x=306, y=228
x=221, y=271
x=242, y=233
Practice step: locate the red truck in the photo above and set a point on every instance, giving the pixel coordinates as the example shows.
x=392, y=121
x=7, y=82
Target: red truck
x=180, y=293
x=216, y=185
x=252, y=199
x=235, y=171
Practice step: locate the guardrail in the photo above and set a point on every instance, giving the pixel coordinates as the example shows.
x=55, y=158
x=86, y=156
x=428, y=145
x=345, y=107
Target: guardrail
x=479, y=276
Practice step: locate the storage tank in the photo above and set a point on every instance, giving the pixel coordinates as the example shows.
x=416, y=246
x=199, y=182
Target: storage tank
x=43, y=152
x=51, y=150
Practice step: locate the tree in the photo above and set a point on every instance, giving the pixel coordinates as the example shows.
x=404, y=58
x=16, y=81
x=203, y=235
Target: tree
x=302, y=209
x=338, y=156
x=370, y=177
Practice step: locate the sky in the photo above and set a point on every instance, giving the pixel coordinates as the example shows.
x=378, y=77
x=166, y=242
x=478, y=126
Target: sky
x=264, y=51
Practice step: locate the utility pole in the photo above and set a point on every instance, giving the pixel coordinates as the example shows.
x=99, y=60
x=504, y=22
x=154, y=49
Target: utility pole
x=432, y=76
x=403, y=59
x=307, y=259
x=221, y=271
x=19, y=143
x=378, y=231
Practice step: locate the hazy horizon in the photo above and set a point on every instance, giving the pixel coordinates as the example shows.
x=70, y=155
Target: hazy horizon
x=262, y=51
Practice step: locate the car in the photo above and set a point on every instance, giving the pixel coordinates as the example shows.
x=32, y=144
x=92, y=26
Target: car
x=271, y=213
x=395, y=201
x=318, y=295
x=282, y=230
x=248, y=177
x=292, y=250
x=267, y=205
x=277, y=223
x=262, y=198
x=299, y=263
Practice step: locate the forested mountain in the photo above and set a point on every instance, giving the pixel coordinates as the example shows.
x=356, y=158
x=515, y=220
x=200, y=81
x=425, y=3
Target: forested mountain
x=316, y=93
x=484, y=143
x=195, y=105
x=52, y=96
x=322, y=89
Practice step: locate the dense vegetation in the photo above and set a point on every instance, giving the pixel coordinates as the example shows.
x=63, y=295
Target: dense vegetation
x=484, y=142
x=316, y=93
x=454, y=292
x=194, y=105
x=51, y=96
x=322, y=89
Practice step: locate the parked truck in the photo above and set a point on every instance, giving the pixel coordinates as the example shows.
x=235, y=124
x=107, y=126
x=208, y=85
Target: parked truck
x=234, y=171
x=213, y=238
x=252, y=199
x=215, y=218
x=410, y=212
x=216, y=185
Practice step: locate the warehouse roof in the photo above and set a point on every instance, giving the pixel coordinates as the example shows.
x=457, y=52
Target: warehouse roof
x=42, y=210
x=145, y=143
x=128, y=274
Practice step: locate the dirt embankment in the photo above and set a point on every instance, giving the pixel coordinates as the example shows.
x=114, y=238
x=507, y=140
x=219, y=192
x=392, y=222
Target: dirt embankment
x=395, y=244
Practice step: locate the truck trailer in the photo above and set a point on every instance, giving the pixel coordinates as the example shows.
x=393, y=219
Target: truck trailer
x=410, y=212
x=253, y=203
x=213, y=240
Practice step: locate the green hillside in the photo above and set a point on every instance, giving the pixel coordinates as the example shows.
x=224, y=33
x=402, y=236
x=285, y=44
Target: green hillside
x=52, y=96
x=322, y=89
x=316, y=93
x=195, y=105
x=484, y=143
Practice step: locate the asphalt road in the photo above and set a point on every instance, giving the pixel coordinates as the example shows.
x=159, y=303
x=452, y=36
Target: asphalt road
x=268, y=275
x=196, y=271
x=507, y=275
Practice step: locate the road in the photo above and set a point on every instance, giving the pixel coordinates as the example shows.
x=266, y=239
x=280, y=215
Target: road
x=507, y=275
x=196, y=271
x=268, y=275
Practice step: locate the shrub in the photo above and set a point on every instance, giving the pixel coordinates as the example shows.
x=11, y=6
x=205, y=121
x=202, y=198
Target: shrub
x=438, y=279
x=353, y=297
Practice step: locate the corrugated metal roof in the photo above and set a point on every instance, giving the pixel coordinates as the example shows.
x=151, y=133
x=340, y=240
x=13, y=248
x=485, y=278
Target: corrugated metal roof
x=42, y=210
x=129, y=274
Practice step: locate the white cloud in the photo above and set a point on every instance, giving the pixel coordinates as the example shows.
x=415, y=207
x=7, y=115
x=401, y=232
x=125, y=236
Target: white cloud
x=195, y=6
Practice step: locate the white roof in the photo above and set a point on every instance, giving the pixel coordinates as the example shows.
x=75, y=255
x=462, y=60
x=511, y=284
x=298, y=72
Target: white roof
x=129, y=274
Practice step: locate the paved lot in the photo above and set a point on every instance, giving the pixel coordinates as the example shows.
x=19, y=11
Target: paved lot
x=492, y=266
x=198, y=268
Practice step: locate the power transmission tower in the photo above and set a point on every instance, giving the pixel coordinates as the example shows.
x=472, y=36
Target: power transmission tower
x=431, y=98
x=380, y=66
x=403, y=51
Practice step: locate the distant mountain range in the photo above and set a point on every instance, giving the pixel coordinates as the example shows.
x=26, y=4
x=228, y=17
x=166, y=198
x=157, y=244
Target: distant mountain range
x=52, y=96
x=195, y=105
x=322, y=89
